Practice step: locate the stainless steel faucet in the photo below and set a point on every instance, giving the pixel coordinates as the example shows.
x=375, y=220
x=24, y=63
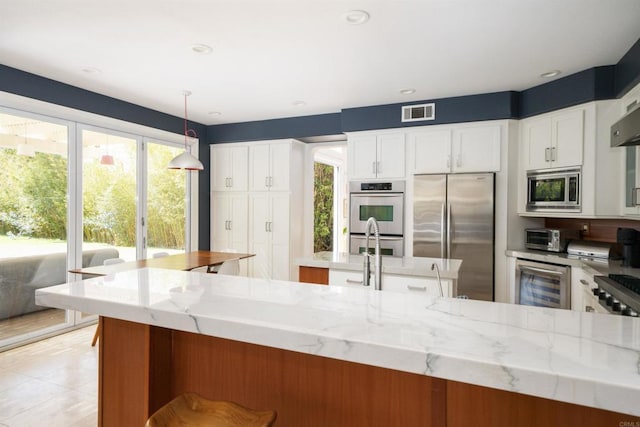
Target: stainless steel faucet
x=372, y=223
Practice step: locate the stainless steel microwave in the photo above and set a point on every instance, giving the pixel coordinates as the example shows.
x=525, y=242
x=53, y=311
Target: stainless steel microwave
x=554, y=189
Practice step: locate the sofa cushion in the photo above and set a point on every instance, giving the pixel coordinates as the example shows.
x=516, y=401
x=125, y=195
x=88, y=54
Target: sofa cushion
x=20, y=277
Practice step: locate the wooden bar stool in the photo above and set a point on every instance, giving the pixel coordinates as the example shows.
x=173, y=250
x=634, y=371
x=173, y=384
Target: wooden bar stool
x=191, y=409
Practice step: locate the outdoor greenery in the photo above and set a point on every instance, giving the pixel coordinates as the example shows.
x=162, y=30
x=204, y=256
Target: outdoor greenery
x=323, y=208
x=33, y=199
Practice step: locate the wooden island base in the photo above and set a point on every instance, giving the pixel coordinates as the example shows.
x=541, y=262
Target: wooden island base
x=142, y=367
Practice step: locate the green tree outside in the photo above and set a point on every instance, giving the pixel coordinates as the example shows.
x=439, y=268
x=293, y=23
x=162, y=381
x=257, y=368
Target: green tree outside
x=323, y=207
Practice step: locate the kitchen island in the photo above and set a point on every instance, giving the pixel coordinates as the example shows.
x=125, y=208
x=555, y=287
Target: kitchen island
x=398, y=273
x=332, y=355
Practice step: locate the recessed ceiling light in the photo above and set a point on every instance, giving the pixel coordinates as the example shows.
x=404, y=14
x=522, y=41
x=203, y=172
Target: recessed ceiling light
x=215, y=113
x=91, y=70
x=201, y=49
x=299, y=103
x=550, y=74
x=407, y=91
x=356, y=17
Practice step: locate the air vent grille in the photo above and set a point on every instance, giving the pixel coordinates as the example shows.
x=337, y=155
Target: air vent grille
x=415, y=113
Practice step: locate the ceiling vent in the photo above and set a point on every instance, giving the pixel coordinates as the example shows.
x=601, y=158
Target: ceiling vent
x=416, y=113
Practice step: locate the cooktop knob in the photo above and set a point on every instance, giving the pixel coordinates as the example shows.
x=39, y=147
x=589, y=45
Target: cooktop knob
x=616, y=305
x=609, y=299
x=603, y=294
x=596, y=291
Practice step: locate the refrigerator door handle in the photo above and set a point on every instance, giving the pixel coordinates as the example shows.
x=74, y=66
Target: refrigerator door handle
x=448, y=231
x=443, y=237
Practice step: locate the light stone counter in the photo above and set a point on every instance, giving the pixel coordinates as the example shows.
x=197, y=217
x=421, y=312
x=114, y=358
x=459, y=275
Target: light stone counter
x=564, y=355
x=407, y=266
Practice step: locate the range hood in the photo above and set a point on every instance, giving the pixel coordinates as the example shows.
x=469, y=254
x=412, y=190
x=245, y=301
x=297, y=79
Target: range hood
x=626, y=131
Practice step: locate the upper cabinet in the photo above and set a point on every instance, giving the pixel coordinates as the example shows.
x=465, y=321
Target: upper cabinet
x=553, y=140
x=376, y=156
x=269, y=166
x=456, y=149
x=229, y=163
x=631, y=178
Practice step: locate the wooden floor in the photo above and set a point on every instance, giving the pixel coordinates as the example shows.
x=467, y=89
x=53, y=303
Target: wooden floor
x=51, y=383
x=30, y=322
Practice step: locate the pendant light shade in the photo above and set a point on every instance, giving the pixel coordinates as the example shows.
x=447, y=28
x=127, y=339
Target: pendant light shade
x=186, y=161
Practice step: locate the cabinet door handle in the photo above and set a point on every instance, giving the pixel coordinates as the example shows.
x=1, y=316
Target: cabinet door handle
x=546, y=154
x=354, y=282
x=588, y=309
x=229, y=225
x=584, y=282
x=266, y=226
x=553, y=154
x=417, y=288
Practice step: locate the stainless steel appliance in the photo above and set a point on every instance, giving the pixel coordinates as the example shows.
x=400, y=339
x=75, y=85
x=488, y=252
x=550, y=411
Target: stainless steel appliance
x=453, y=217
x=543, y=284
x=554, y=189
x=626, y=131
x=389, y=245
x=383, y=201
x=549, y=239
x=618, y=294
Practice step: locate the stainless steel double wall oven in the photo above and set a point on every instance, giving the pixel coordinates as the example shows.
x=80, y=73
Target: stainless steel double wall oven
x=385, y=202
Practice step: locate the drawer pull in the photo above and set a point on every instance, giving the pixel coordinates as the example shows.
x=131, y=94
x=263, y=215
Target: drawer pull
x=354, y=282
x=584, y=282
x=417, y=288
x=589, y=309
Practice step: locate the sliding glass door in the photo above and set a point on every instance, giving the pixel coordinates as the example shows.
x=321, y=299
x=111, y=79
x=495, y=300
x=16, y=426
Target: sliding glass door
x=33, y=221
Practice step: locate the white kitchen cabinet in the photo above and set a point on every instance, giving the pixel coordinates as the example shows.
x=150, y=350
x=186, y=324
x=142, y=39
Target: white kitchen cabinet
x=376, y=156
x=553, y=140
x=269, y=166
x=391, y=282
x=229, y=223
x=582, y=298
x=229, y=167
x=269, y=233
x=456, y=149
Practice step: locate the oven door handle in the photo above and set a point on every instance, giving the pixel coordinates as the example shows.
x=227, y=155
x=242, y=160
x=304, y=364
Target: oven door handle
x=542, y=270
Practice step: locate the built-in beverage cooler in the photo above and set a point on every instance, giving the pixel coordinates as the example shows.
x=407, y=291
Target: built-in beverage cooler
x=543, y=284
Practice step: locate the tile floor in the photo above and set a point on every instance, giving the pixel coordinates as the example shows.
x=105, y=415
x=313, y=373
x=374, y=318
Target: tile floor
x=53, y=382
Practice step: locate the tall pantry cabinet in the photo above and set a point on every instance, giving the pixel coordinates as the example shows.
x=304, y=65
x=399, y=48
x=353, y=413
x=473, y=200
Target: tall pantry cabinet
x=265, y=217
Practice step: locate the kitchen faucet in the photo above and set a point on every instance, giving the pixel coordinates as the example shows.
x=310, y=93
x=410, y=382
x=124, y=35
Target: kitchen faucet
x=372, y=223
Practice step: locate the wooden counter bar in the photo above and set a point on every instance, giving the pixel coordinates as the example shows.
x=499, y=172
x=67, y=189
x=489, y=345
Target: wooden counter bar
x=323, y=355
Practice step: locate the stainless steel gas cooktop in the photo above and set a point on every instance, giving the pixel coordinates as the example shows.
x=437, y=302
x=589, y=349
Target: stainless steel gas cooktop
x=619, y=294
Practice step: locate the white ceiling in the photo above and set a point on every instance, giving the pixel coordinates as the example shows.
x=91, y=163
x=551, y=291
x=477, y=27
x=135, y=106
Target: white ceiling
x=269, y=54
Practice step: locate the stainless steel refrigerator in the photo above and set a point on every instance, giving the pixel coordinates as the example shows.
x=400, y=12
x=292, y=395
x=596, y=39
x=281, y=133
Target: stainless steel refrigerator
x=453, y=217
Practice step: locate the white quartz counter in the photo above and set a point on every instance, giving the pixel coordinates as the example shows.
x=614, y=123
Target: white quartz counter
x=581, y=358
x=408, y=266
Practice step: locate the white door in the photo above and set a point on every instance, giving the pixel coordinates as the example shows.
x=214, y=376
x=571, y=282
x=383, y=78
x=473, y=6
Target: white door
x=432, y=151
x=476, y=149
x=568, y=138
x=221, y=168
x=390, y=156
x=279, y=166
x=279, y=231
x=537, y=143
x=362, y=156
x=259, y=167
x=259, y=236
x=239, y=175
x=238, y=226
x=220, y=208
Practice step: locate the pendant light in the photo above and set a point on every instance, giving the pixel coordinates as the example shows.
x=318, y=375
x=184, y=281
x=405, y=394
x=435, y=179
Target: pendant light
x=185, y=160
x=106, y=158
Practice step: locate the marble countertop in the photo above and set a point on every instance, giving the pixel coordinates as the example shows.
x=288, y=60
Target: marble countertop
x=582, y=358
x=408, y=266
